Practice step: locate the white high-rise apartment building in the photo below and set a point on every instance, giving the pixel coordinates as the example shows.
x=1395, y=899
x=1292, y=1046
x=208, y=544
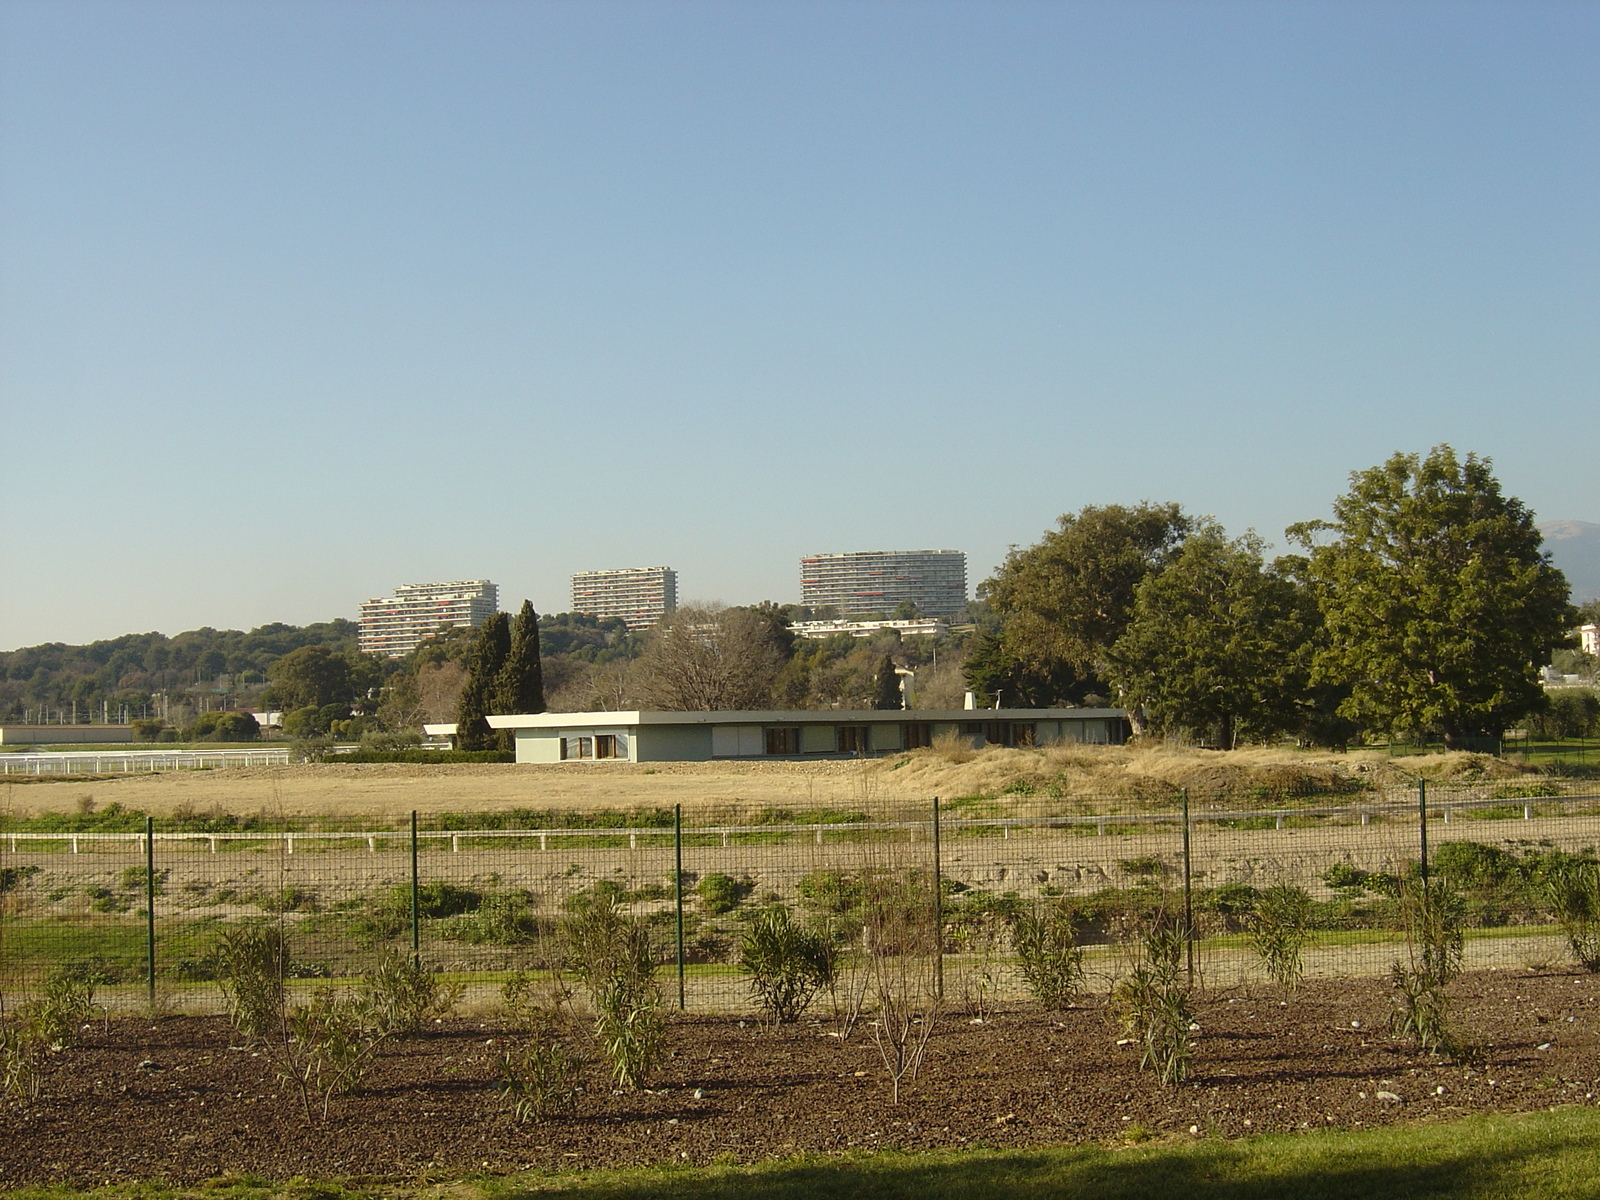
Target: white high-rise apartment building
x=396, y=625
x=876, y=581
x=641, y=596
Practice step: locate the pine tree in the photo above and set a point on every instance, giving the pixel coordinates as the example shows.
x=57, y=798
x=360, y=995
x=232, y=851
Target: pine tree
x=520, y=685
x=489, y=654
x=886, y=694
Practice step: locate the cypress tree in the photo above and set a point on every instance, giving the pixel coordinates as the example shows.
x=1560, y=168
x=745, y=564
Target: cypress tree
x=886, y=694
x=488, y=657
x=520, y=686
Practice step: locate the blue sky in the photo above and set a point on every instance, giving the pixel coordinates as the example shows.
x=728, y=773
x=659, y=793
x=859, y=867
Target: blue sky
x=300, y=301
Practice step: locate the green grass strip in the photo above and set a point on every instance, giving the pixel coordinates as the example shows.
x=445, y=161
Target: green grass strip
x=1537, y=1156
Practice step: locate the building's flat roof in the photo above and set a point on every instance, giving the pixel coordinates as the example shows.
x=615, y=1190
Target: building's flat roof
x=793, y=716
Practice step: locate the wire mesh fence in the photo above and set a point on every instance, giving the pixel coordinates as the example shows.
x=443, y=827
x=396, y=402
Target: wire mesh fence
x=139, y=910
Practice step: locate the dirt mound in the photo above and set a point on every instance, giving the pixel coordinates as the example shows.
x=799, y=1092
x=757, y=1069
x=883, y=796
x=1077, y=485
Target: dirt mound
x=1156, y=773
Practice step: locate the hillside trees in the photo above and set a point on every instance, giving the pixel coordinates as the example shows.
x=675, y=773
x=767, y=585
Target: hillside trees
x=131, y=669
x=317, y=676
x=1438, y=600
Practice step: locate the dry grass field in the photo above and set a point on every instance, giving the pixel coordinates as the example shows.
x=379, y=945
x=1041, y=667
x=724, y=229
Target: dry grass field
x=1120, y=776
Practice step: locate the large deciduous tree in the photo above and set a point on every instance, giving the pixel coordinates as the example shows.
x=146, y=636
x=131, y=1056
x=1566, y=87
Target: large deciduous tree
x=484, y=664
x=1065, y=601
x=1219, y=643
x=519, y=687
x=1068, y=598
x=702, y=659
x=1438, y=601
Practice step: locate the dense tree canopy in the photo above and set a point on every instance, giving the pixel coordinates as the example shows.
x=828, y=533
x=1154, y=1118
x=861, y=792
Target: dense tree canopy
x=1219, y=644
x=130, y=669
x=1438, y=601
x=318, y=676
x=1065, y=601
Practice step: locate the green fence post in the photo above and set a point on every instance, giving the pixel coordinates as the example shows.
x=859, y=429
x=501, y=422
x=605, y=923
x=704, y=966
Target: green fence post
x=1188, y=891
x=416, y=927
x=1422, y=829
x=938, y=908
x=677, y=889
x=150, y=906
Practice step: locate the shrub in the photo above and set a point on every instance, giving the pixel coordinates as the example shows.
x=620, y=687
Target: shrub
x=1574, y=891
x=1280, y=923
x=543, y=1079
x=52, y=1022
x=332, y=1041
x=1433, y=915
x=401, y=995
x=787, y=964
x=1046, y=942
x=611, y=954
x=252, y=963
x=1152, y=1003
x=900, y=938
x=543, y=1075
x=723, y=893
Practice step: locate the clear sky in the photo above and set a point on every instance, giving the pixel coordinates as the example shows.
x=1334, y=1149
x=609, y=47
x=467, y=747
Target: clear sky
x=300, y=301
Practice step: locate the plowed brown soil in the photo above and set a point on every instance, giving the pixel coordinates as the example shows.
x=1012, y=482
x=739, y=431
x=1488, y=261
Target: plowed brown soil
x=179, y=1100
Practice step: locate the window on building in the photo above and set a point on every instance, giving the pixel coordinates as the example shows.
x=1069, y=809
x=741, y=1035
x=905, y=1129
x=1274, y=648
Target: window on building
x=852, y=739
x=1022, y=735
x=605, y=746
x=916, y=735
x=577, y=747
x=783, y=741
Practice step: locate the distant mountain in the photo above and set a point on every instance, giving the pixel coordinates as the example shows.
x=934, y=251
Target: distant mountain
x=1575, y=546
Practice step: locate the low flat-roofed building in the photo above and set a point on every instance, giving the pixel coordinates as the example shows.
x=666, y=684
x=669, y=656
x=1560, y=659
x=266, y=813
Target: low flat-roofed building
x=63, y=735
x=827, y=733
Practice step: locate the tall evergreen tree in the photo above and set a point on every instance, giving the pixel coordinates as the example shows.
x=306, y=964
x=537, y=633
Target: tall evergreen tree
x=489, y=654
x=1439, y=600
x=1219, y=644
x=520, y=685
x=886, y=693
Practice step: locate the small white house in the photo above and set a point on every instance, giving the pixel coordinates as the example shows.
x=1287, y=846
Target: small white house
x=703, y=736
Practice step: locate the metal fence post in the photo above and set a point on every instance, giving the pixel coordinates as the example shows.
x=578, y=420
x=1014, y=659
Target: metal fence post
x=938, y=908
x=1422, y=829
x=150, y=907
x=1188, y=891
x=677, y=890
x=416, y=927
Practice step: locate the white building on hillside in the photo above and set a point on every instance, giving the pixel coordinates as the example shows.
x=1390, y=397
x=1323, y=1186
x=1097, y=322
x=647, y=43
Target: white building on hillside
x=396, y=625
